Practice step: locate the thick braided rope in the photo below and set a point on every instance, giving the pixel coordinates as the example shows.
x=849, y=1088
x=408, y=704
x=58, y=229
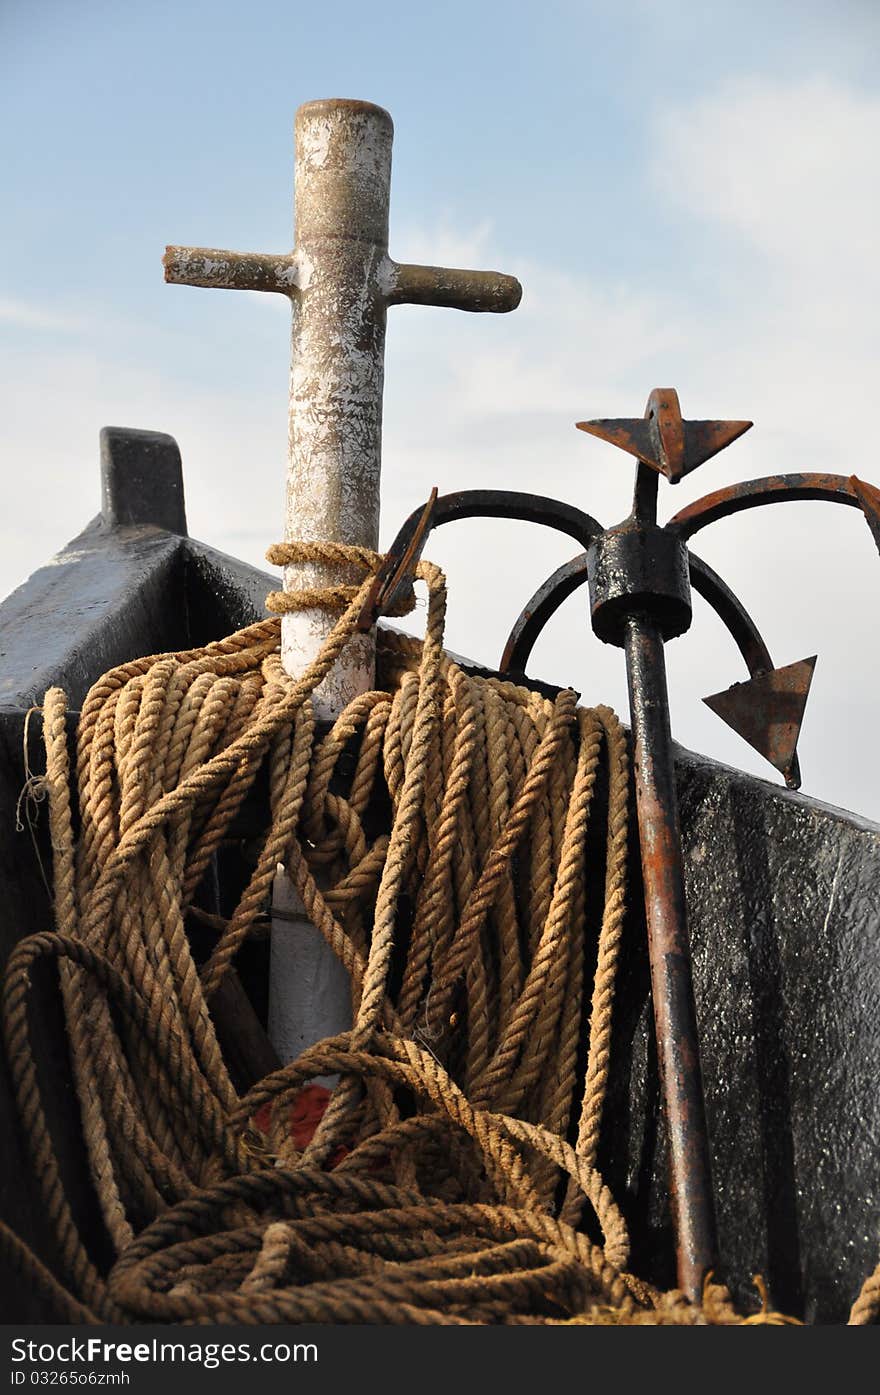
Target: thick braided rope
x=866, y=1309
x=325, y=597
x=447, y=873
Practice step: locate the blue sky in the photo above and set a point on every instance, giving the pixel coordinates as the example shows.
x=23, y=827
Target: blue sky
x=688, y=192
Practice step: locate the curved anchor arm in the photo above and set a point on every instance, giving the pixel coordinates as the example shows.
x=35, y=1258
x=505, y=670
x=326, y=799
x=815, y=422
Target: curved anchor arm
x=769, y=717
x=507, y=503
x=396, y=573
x=574, y=574
x=774, y=489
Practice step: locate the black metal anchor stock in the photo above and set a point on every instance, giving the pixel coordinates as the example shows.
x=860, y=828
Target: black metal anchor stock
x=640, y=577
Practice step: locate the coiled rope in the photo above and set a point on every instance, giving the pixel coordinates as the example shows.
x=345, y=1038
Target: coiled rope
x=453, y=1176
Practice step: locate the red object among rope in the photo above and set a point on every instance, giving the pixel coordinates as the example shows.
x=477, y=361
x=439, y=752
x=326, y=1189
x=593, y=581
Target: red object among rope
x=306, y=1112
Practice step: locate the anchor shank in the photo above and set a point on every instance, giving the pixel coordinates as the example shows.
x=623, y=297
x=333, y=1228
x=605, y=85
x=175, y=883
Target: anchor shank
x=669, y=952
x=645, y=494
x=640, y=598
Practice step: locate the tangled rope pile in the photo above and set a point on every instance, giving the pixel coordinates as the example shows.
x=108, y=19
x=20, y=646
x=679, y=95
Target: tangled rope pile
x=453, y=1176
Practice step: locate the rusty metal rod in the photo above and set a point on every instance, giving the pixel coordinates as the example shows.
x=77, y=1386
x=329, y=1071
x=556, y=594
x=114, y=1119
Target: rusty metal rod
x=693, y=1213
x=753, y=494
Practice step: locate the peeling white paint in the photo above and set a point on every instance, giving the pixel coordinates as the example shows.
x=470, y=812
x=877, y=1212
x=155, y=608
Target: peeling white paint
x=314, y=143
x=286, y=273
x=304, y=268
x=387, y=276
x=337, y=371
x=343, y=175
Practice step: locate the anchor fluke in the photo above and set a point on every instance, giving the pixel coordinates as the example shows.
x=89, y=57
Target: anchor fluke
x=662, y=440
x=767, y=711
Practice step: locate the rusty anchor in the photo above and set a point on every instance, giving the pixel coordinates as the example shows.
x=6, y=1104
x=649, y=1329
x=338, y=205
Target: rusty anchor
x=640, y=577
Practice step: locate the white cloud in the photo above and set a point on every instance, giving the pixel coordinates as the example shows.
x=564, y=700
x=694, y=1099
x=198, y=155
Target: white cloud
x=791, y=168
x=21, y=314
x=444, y=245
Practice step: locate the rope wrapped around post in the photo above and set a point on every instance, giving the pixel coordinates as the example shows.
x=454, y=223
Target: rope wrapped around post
x=330, y=598
x=452, y=888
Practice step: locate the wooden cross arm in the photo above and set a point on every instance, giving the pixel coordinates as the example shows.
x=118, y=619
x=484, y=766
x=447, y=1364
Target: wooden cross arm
x=400, y=283
x=233, y=271
x=481, y=291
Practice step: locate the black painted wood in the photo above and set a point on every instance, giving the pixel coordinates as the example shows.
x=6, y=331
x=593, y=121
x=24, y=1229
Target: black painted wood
x=141, y=480
x=783, y=901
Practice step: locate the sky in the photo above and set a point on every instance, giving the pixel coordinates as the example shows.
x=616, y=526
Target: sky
x=689, y=193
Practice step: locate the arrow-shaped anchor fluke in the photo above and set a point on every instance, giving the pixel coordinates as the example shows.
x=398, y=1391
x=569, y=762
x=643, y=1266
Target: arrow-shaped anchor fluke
x=630, y=434
x=869, y=498
x=662, y=440
x=767, y=711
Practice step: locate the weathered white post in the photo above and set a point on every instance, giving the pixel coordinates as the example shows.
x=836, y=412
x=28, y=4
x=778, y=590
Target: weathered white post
x=340, y=281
